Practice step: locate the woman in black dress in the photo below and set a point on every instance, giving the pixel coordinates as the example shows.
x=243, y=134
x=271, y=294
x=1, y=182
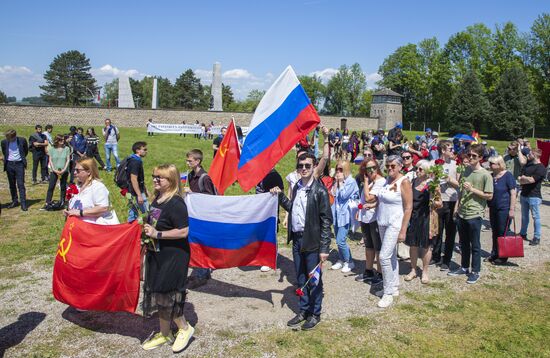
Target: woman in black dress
x=168, y=262
x=418, y=233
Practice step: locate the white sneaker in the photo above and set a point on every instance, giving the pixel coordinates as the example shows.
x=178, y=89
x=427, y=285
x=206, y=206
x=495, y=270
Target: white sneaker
x=381, y=293
x=265, y=269
x=385, y=301
x=338, y=265
x=348, y=266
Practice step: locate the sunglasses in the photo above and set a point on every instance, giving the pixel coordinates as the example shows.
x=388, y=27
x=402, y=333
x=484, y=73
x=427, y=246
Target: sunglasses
x=419, y=169
x=370, y=169
x=392, y=166
x=303, y=166
x=157, y=177
x=341, y=170
x=473, y=156
x=79, y=170
x=406, y=157
x=367, y=155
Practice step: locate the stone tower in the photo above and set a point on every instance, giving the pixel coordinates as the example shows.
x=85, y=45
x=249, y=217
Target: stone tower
x=125, y=98
x=154, y=100
x=386, y=106
x=217, y=87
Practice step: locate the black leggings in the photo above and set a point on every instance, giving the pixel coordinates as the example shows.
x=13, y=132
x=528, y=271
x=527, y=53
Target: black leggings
x=53, y=182
x=94, y=153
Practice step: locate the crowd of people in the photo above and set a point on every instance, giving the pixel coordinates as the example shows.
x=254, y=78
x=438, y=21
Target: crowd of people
x=394, y=200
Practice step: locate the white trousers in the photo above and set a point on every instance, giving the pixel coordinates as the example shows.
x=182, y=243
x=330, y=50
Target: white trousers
x=388, y=258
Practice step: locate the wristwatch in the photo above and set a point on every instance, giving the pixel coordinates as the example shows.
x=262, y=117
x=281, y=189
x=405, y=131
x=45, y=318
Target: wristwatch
x=159, y=234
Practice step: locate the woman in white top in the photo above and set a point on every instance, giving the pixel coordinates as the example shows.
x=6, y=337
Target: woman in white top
x=92, y=201
x=374, y=181
x=393, y=215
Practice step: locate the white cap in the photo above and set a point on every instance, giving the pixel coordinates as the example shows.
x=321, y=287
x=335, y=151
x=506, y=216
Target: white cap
x=435, y=134
x=484, y=142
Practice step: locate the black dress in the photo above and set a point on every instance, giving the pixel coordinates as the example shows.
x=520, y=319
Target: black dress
x=418, y=232
x=166, y=270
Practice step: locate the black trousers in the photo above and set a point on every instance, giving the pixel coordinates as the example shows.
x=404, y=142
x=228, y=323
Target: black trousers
x=94, y=153
x=16, y=180
x=447, y=223
x=499, y=218
x=51, y=186
x=42, y=159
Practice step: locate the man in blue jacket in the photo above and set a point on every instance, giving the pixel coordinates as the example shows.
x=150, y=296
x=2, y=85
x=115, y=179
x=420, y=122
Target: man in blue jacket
x=15, y=150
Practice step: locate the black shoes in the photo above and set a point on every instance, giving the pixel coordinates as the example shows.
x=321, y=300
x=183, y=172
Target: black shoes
x=534, y=242
x=13, y=204
x=295, y=322
x=311, y=322
x=24, y=206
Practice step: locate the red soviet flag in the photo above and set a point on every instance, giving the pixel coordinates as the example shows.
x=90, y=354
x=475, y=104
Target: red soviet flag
x=97, y=266
x=223, y=170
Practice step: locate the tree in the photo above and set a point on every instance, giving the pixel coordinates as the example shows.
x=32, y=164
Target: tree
x=314, y=88
x=513, y=106
x=33, y=100
x=469, y=107
x=249, y=104
x=110, y=94
x=69, y=81
x=538, y=63
x=137, y=92
x=227, y=97
x=344, y=91
x=189, y=92
x=3, y=97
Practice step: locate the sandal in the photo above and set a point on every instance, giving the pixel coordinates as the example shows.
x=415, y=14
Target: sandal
x=425, y=279
x=411, y=276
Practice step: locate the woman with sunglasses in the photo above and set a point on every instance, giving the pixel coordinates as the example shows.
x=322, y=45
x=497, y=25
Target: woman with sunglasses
x=418, y=235
x=393, y=215
x=91, y=203
x=374, y=181
x=167, y=265
x=59, y=157
x=344, y=189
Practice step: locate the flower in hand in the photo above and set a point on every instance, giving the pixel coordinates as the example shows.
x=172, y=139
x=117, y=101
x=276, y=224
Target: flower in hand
x=360, y=206
x=71, y=191
x=299, y=292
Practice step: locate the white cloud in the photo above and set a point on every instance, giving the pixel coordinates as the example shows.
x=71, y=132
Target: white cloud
x=204, y=75
x=19, y=81
x=325, y=74
x=107, y=73
x=372, y=78
x=237, y=74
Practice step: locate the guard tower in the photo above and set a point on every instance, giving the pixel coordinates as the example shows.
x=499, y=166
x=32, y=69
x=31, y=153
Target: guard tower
x=387, y=108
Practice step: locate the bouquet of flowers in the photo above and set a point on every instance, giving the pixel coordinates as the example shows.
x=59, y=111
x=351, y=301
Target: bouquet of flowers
x=147, y=242
x=437, y=174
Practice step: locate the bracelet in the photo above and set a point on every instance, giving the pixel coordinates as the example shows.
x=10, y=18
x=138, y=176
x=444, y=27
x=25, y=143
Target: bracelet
x=159, y=235
x=81, y=212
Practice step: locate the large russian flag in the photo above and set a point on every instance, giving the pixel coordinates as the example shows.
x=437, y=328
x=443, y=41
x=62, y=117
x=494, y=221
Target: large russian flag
x=232, y=231
x=284, y=116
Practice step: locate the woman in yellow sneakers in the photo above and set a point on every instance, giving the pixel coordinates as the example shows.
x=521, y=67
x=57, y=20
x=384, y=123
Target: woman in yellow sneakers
x=167, y=260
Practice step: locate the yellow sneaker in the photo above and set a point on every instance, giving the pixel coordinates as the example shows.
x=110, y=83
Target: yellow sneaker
x=156, y=341
x=182, y=338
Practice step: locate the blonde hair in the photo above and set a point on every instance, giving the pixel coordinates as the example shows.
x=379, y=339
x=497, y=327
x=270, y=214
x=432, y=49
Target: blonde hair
x=172, y=174
x=89, y=165
x=345, y=166
x=498, y=160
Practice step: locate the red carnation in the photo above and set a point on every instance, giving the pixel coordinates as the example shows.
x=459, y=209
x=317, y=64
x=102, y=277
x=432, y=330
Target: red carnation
x=360, y=206
x=439, y=161
x=299, y=292
x=123, y=191
x=71, y=191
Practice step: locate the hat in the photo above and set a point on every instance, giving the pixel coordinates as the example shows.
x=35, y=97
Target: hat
x=435, y=134
x=428, y=130
x=484, y=143
x=525, y=151
x=399, y=125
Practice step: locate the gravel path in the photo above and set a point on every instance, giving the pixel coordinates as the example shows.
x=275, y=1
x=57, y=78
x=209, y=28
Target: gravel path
x=234, y=302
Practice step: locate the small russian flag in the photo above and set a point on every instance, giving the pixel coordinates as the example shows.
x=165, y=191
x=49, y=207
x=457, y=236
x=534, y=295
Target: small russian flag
x=183, y=178
x=315, y=275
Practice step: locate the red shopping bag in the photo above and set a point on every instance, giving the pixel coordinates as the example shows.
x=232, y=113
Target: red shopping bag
x=510, y=245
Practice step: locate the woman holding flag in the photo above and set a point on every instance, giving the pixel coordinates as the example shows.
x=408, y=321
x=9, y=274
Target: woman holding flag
x=168, y=262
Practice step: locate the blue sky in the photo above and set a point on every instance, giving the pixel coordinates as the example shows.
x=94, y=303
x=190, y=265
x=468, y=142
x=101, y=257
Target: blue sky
x=253, y=40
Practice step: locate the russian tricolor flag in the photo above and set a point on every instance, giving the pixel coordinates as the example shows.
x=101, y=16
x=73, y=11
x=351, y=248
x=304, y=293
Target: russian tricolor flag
x=232, y=231
x=283, y=116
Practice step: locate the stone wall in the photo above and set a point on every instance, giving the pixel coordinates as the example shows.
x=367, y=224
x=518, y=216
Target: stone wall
x=126, y=117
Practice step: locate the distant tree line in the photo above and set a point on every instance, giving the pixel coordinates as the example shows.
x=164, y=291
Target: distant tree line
x=496, y=81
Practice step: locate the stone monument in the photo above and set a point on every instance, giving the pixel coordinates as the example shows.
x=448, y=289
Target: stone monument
x=387, y=108
x=154, y=101
x=217, y=87
x=125, y=98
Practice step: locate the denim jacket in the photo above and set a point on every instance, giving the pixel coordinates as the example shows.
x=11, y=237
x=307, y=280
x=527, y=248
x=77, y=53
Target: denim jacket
x=342, y=196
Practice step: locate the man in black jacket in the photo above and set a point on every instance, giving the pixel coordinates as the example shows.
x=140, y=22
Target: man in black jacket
x=38, y=143
x=15, y=150
x=309, y=222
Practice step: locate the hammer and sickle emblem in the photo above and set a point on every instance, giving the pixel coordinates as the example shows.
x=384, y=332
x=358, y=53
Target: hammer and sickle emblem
x=62, y=251
x=224, y=149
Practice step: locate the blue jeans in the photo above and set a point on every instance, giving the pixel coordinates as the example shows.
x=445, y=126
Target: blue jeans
x=343, y=247
x=304, y=263
x=469, y=232
x=133, y=214
x=111, y=148
x=532, y=204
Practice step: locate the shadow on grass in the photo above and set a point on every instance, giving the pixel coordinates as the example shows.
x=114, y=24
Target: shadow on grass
x=122, y=323
x=14, y=333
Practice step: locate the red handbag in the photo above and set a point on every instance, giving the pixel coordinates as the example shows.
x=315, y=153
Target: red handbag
x=510, y=246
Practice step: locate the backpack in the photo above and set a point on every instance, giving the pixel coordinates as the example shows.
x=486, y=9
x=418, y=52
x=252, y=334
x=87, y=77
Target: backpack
x=122, y=177
x=202, y=178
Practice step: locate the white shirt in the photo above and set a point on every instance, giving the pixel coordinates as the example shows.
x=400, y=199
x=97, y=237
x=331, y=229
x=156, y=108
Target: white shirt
x=95, y=194
x=292, y=179
x=13, y=152
x=299, y=206
x=368, y=216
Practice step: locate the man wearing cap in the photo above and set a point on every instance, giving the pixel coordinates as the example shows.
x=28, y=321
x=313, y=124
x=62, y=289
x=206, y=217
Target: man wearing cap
x=532, y=175
x=428, y=138
x=434, y=152
x=394, y=131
